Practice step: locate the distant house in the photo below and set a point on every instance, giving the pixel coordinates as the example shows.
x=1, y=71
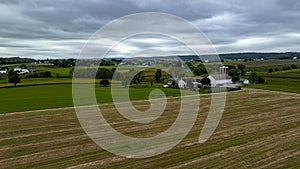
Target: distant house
x=295, y=58
x=171, y=82
x=182, y=84
x=24, y=71
x=20, y=70
x=244, y=81
x=3, y=70
x=17, y=69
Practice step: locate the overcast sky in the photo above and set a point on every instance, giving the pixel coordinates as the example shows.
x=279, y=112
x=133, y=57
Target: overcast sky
x=60, y=28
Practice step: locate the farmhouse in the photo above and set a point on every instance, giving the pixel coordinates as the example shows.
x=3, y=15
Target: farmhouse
x=244, y=81
x=3, y=70
x=17, y=69
x=183, y=83
x=20, y=70
x=24, y=71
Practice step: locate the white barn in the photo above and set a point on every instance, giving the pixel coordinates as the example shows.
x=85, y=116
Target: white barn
x=219, y=80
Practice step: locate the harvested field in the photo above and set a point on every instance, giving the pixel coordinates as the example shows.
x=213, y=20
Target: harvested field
x=259, y=129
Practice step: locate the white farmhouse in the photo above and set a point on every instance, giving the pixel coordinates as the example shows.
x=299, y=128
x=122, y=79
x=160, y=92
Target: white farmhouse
x=24, y=71
x=182, y=84
x=3, y=70
x=17, y=69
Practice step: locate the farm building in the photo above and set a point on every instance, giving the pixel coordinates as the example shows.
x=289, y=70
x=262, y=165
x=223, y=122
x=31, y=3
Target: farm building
x=244, y=81
x=17, y=69
x=3, y=70
x=219, y=80
x=20, y=70
x=183, y=83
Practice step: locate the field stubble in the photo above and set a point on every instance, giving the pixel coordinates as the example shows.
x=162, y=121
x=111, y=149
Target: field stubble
x=258, y=128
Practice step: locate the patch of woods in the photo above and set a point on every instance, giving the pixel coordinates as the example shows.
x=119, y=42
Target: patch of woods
x=292, y=66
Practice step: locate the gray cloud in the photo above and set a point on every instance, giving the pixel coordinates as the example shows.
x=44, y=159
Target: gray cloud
x=60, y=28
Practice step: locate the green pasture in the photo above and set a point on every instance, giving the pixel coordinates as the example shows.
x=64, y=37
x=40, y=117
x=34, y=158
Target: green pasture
x=265, y=65
x=293, y=73
x=279, y=84
x=24, y=98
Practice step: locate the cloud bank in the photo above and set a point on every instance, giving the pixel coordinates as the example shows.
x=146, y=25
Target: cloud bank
x=60, y=28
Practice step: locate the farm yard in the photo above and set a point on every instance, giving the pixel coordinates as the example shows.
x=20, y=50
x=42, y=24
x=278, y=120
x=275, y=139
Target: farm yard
x=258, y=129
x=149, y=84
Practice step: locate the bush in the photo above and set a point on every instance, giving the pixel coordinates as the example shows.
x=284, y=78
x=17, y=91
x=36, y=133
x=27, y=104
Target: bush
x=260, y=79
x=294, y=66
x=45, y=74
x=32, y=75
x=104, y=82
x=286, y=68
x=270, y=70
x=40, y=74
x=235, y=79
x=255, y=79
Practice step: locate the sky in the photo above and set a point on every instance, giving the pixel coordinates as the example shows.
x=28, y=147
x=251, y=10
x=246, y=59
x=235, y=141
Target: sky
x=60, y=28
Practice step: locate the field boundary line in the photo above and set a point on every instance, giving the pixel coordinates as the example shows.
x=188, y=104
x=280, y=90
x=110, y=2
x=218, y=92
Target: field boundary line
x=273, y=91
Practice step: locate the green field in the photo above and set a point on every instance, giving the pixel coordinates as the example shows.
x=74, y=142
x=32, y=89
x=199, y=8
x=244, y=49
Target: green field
x=279, y=84
x=259, y=129
x=265, y=65
x=293, y=73
x=60, y=95
x=286, y=81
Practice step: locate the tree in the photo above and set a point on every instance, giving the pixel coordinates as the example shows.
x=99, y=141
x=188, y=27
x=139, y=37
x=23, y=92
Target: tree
x=242, y=68
x=158, y=75
x=270, y=70
x=125, y=81
x=14, y=77
x=71, y=71
x=104, y=82
x=260, y=80
x=205, y=81
x=23, y=66
x=293, y=66
x=235, y=79
x=230, y=67
x=233, y=72
x=253, y=77
x=138, y=78
x=199, y=70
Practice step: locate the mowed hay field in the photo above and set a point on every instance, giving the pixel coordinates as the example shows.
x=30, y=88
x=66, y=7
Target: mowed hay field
x=258, y=129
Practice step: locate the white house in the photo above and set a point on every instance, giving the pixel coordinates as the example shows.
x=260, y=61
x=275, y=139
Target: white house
x=17, y=69
x=20, y=70
x=24, y=71
x=3, y=71
x=295, y=58
x=182, y=84
x=244, y=81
